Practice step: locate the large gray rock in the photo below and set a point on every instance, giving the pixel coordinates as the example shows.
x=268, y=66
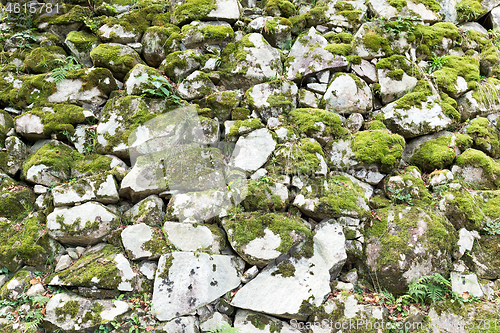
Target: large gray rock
x=139, y=79
x=191, y=238
x=180, y=64
x=196, y=85
x=143, y=242
x=227, y=10
x=30, y=126
x=252, y=151
x=348, y=94
x=199, y=206
x=428, y=117
x=248, y=62
x=101, y=188
x=187, y=281
x=308, y=56
x=383, y=8
x=83, y=315
x=272, y=99
x=149, y=211
x=84, y=225
x=308, y=276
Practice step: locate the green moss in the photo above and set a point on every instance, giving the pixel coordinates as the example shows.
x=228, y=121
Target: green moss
x=75, y=15
x=430, y=4
x=398, y=4
x=339, y=49
x=485, y=136
x=375, y=125
x=192, y=10
x=374, y=42
x=489, y=202
x=94, y=314
x=304, y=120
x=249, y=226
x=233, y=55
x=261, y=198
x=35, y=89
x=446, y=77
x=354, y=59
x=464, y=211
x=243, y=126
x=486, y=93
x=111, y=57
x=293, y=158
x=379, y=146
x=285, y=269
x=22, y=240
x=284, y=7
x=62, y=118
x=134, y=21
x=44, y=59
x=81, y=40
x=469, y=10
x=478, y=159
x=340, y=196
x=431, y=37
x=434, y=154
x=157, y=245
x=463, y=141
x=91, y=266
x=58, y=156
x=70, y=308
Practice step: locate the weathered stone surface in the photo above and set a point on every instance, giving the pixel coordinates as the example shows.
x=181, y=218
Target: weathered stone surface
x=149, y=211
x=426, y=244
x=348, y=94
x=80, y=43
x=417, y=120
x=196, y=85
x=143, y=242
x=86, y=224
x=17, y=152
x=465, y=283
x=178, y=65
x=118, y=58
x=252, y=151
x=253, y=322
x=139, y=79
x=302, y=61
x=186, y=281
x=272, y=99
x=103, y=266
x=63, y=309
x=307, y=275
x=191, y=238
x=200, y=206
x=248, y=62
x=101, y=188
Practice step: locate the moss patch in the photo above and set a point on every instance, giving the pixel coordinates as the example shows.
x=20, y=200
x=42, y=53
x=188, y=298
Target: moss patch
x=434, y=154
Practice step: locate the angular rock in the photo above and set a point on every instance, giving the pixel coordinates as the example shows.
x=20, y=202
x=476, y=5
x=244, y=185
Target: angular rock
x=118, y=58
x=186, y=281
x=341, y=195
x=148, y=211
x=253, y=322
x=260, y=238
x=84, y=225
x=465, y=283
x=428, y=117
x=348, y=94
x=157, y=42
x=476, y=168
x=187, y=324
x=101, y=188
x=198, y=237
x=178, y=65
x=308, y=56
x=17, y=152
x=103, y=266
x=425, y=245
x=143, y=242
x=200, y=206
x=307, y=273
x=252, y=151
x=15, y=287
x=481, y=101
x=196, y=85
x=62, y=310
x=366, y=70
x=248, y=62
x=304, y=157
x=139, y=79
x=80, y=43
x=272, y=99
x=207, y=35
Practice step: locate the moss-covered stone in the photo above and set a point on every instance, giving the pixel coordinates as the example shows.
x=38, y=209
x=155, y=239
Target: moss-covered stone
x=16, y=199
x=488, y=178
x=463, y=210
x=434, y=154
x=404, y=237
x=305, y=157
x=455, y=66
x=6, y=123
x=119, y=59
x=317, y=123
x=485, y=136
x=44, y=59
x=132, y=23
x=77, y=14
x=407, y=187
x=469, y=10
x=337, y=196
x=282, y=8
x=379, y=147
x=431, y=37
x=192, y=10
x=246, y=227
x=263, y=195
x=61, y=119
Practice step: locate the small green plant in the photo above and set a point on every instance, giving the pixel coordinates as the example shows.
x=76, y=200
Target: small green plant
x=136, y=325
x=65, y=65
x=162, y=89
x=436, y=63
x=400, y=196
x=396, y=26
x=91, y=143
x=226, y=328
x=468, y=11
x=492, y=227
x=430, y=289
x=23, y=38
